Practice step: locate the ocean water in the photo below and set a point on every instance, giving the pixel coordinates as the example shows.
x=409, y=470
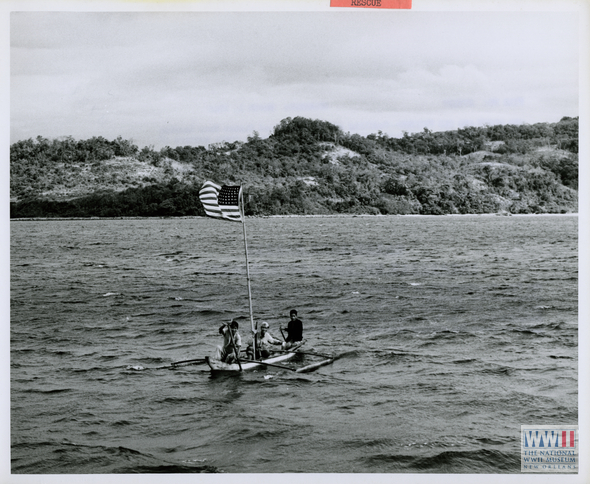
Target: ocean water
x=452, y=331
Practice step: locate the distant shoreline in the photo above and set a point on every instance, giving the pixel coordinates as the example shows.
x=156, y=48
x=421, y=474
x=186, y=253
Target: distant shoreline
x=337, y=215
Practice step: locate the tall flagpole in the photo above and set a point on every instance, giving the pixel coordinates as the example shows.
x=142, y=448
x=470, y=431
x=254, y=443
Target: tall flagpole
x=248, y=272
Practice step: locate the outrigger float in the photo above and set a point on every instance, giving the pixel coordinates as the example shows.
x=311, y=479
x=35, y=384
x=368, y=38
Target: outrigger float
x=226, y=202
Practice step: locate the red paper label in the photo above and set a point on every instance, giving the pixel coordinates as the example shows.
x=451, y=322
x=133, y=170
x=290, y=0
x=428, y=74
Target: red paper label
x=372, y=3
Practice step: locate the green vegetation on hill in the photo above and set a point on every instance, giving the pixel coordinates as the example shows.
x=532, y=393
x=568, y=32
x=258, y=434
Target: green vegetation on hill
x=306, y=167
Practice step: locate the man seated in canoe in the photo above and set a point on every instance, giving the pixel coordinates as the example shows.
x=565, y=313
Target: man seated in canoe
x=264, y=343
x=229, y=352
x=294, y=330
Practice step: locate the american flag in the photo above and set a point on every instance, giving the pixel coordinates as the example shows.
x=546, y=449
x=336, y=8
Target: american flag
x=221, y=201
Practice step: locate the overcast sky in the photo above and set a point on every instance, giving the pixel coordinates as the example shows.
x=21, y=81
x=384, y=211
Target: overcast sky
x=199, y=78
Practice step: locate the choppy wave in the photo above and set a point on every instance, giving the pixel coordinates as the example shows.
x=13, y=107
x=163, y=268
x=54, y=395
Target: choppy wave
x=456, y=462
x=62, y=457
x=430, y=378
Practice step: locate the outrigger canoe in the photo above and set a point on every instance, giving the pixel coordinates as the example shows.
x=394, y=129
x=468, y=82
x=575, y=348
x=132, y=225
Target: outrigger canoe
x=226, y=202
x=217, y=365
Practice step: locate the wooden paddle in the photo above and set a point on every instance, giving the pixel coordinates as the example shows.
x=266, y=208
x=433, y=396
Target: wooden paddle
x=237, y=352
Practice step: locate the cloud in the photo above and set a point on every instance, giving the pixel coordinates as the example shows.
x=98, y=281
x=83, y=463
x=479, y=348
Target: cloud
x=197, y=78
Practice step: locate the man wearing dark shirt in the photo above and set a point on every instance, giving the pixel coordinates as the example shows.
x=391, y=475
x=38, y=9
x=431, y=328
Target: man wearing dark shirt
x=295, y=330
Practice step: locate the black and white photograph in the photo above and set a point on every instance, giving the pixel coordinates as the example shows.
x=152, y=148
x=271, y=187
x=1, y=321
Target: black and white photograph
x=342, y=244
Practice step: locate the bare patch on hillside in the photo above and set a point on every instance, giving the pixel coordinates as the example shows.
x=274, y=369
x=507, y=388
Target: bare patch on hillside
x=496, y=164
x=480, y=155
x=308, y=180
x=554, y=151
x=334, y=152
x=117, y=174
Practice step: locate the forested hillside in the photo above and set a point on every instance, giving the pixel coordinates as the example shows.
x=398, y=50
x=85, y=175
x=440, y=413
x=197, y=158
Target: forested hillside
x=306, y=167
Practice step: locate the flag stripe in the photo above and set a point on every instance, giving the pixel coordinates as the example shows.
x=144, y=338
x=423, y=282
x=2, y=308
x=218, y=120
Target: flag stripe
x=221, y=201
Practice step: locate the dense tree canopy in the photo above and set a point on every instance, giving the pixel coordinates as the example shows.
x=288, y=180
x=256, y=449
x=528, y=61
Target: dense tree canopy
x=306, y=167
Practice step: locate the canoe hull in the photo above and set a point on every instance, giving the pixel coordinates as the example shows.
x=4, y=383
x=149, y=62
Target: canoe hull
x=217, y=365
